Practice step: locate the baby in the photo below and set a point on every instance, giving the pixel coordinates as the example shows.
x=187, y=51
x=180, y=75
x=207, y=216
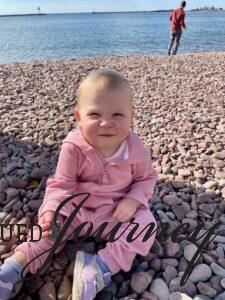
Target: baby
x=106, y=159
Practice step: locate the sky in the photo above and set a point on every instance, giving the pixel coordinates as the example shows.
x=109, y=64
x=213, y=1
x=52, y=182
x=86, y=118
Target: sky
x=70, y=6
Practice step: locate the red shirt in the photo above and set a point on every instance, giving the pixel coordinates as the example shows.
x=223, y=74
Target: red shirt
x=177, y=19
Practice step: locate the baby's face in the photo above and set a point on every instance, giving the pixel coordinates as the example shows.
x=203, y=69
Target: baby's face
x=105, y=118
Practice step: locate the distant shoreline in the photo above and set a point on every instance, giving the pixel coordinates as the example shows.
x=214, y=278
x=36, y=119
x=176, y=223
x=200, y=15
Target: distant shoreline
x=94, y=12
x=22, y=15
x=110, y=12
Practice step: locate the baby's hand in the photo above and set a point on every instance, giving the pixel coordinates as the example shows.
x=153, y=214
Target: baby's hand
x=126, y=209
x=46, y=222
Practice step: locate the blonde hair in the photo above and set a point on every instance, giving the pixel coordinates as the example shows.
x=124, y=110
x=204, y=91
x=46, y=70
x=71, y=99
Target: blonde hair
x=103, y=79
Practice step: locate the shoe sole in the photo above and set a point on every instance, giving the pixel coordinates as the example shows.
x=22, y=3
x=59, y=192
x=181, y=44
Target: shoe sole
x=77, y=281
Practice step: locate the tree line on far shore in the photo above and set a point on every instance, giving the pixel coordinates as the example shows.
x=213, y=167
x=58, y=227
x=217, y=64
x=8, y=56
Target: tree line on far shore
x=208, y=8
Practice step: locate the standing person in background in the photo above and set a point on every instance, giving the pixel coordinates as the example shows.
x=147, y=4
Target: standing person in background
x=176, y=25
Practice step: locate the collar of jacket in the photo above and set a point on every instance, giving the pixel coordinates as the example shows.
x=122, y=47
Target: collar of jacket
x=134, y=153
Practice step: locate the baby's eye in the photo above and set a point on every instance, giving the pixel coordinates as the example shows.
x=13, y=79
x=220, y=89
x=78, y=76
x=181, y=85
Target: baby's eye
x=117, y=115
x=94, y=114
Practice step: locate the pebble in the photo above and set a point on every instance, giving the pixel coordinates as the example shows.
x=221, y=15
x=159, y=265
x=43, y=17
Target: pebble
x=149, y=296
x=179, y=296
x=220, y=296
x=223, y=283
x=206, y=290
x=189, y=251
x=201, y=297
x=201, y=272
x=64, y=289
x=218, y=270
x=140, y=281
x=18, y=183
x=12, y=193
x=34, y=204
x=38, y=173
x=188, y=288
x=159, y=288
x=3, y=184
x=47, y=292
x=171, y=200
x=169, y=274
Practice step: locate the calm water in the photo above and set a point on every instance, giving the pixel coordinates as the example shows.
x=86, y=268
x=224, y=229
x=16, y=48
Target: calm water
x=62, y=36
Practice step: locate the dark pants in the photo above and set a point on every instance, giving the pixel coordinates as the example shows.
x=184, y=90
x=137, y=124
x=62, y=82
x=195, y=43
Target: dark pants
x=175, y=36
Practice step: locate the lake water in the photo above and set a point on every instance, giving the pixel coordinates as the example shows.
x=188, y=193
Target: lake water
x=65, y=36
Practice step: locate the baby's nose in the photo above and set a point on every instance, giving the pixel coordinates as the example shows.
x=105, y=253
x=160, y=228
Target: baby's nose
x=106, y=122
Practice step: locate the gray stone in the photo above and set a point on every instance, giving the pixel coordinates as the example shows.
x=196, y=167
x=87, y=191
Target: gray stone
x=47, y=292
x=201, y=272
x=159, y=288
x=201, y=297
x=220, y=296
x=171, y=200
x=206, y=290
x=189, y=251
x=188, y=288
x=218, y=270
x=140, y=281
x=179, y=296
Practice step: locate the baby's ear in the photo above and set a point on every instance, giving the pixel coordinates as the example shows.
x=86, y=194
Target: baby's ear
x=76, y=115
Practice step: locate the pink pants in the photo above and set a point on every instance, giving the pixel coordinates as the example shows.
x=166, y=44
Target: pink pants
x=117, y=255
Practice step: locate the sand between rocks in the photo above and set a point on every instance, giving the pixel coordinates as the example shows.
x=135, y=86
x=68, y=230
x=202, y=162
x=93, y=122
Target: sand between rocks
x=180, y=115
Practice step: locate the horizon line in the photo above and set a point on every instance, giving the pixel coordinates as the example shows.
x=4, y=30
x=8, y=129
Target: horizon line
x=105, y=12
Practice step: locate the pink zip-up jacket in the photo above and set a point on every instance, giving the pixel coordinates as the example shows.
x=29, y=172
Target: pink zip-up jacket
x=80, y=168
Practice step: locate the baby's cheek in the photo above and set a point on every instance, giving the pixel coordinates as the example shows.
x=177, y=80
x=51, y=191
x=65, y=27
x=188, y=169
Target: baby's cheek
x=89, y=130
x=124, y=126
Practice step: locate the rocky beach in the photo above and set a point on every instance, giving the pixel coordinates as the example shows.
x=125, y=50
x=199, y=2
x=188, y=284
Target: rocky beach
x=180, y=116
